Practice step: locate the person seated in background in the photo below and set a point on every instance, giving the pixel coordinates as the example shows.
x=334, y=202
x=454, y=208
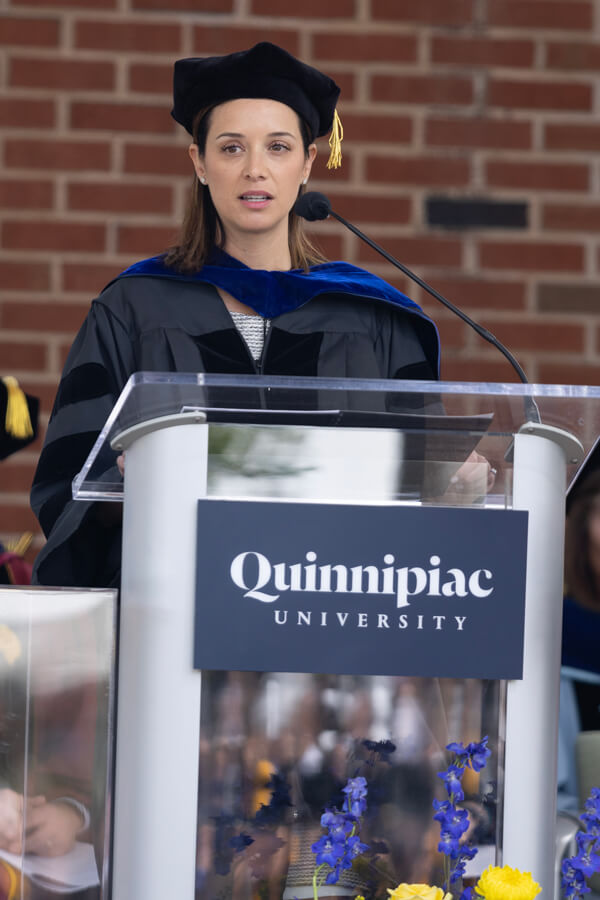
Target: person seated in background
x=581, y=610
x=34, y=824
x=18, y=429
x=580, y=673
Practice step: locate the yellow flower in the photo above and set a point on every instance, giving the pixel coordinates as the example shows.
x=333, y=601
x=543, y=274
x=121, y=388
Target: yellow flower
x=418, y=892
x=505, y=883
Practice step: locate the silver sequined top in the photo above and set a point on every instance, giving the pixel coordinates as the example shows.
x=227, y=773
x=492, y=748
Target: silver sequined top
x=254, y=331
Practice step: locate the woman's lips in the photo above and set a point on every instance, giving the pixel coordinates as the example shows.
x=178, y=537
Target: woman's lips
x=256, y=199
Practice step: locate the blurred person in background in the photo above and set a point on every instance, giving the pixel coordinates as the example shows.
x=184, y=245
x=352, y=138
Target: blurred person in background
x=580, y=674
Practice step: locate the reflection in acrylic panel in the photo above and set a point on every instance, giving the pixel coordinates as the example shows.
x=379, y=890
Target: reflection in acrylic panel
x=56, y=687
x=277, y=749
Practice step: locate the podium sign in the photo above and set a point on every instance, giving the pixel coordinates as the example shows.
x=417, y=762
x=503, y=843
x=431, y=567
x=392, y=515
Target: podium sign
x=348, y=589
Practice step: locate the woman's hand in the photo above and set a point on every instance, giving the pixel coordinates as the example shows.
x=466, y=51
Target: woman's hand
x=121, y=464
x=12, y=806
x=52, y=829
x=475, y=478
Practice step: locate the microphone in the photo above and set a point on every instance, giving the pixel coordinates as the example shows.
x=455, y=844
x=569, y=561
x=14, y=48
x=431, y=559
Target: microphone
x=314, y=206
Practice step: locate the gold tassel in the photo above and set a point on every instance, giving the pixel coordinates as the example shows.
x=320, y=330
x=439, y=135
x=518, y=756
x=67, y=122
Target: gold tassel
x=18, y=421
x=335, y=143
x=20, y=546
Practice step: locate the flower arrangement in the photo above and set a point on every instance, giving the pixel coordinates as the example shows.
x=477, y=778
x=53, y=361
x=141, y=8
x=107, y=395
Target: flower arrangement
x=340, y=845
x=586, y=861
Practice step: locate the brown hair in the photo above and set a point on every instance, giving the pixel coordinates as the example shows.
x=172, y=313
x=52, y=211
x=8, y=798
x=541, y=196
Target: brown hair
x=202, y=229
x=580, y=579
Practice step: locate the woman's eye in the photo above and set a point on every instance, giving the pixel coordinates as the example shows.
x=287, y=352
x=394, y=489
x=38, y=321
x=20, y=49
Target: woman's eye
x=279, y=147
x=231, y=148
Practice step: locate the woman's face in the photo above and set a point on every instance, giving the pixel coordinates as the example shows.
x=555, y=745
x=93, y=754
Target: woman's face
x=254, y=163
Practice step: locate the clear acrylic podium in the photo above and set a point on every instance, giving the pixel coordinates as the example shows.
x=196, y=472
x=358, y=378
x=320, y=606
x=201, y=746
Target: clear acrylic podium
x=196, y=750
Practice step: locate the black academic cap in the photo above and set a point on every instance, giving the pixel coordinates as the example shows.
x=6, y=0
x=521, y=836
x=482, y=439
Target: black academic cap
x=18, y=417
x=265, y=71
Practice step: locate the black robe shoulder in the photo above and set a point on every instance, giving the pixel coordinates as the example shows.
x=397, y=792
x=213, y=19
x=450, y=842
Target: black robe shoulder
x=146, y=323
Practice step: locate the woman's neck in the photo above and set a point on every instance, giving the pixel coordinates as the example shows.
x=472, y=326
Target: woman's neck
x=260, y=255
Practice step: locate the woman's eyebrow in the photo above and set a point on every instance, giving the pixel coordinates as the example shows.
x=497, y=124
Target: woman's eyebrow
x=237, y=134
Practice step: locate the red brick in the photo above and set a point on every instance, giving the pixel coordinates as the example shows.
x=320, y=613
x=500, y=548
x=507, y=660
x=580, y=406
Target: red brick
x=156, y=159
x=478, y=293
x=419, y=251
x=16, y=519
x=121, y=117
x=531, y=256
x=314, y=9
x=22, y=113
x=538, y=175
x=134, y=36
x=61, y=74
x=568, y=373
x=21, y=194
x=516, y=94
x=568, y=297
x=371, y=47
x=53, y=235
x=48, y=317
x=29, y=32
x=379, y=129
x=430, y=171
x=427, y=12
x=453, y=333
x=16, y=276
x=214, y=6
x=57, y=155
x=331, y=176
x=85, y=4
x=22, y=357
x=89, y=279
x=571, y=217
x=372, y=208
x=487, y=369
x=149, y=78
x=127, y=198
x=447, y=89
x=330, y=245
x=572, y=55
x=584, y=137
x=15, y=476
x=346, y=82
x=146, y=240
x=568, y=15
x=227, y=39
x=482, y=51
x=538, y=335
x=487, y=133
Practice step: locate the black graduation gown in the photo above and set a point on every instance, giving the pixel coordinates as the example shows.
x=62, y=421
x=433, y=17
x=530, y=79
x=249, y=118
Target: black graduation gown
x=148, y=323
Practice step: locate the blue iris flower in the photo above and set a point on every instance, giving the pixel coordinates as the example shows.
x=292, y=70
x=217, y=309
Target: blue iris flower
x=586, y=861
x=341, y=844
x=452, y=779
x=328, y=851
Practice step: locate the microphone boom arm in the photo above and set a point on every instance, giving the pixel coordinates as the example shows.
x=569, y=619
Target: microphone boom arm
x=481, y=331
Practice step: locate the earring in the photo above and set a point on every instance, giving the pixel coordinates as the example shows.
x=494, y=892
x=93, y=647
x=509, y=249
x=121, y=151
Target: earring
x=202, y=179
x=305, y=180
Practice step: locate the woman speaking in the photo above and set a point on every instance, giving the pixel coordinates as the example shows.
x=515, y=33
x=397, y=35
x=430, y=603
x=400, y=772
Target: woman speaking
x=243, y=291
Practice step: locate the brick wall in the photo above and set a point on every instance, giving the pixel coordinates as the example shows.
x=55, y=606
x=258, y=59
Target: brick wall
x=471, y=152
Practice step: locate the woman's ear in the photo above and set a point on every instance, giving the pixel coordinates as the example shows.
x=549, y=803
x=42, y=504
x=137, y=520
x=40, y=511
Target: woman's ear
x=310, y=158
x=194, y=154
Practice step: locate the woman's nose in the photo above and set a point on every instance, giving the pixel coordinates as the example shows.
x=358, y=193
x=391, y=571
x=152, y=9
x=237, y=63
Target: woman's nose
x=254, y=168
